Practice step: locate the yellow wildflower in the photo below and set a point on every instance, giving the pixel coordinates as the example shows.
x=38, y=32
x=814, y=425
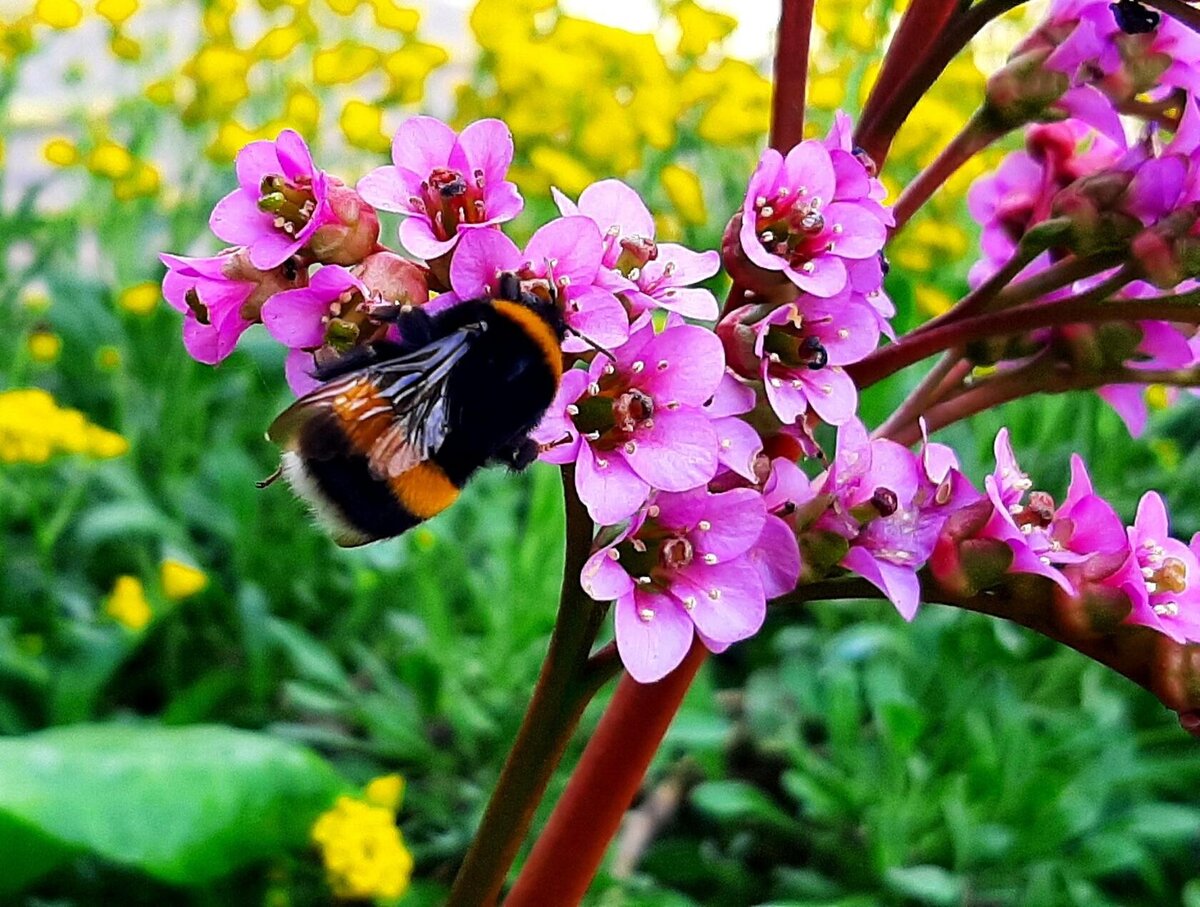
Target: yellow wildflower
x=139, y=299
x=700, y=28
x=932, y=300
x=127, y=604
x=684, y=190
x=346, y=61
x=386, y=791
x=396, y=18
x=125, y=47
x=362, y=125
x=180, y=580
x=161, y=92
x=363, y=850
x=554, y=166
x=1158, y=396
x=116, y=11
x=302, y=111
x=44, y=346
x=278, y=42
x=59, y=14
x=33, y=429
x=61, y=152
x=408, y=68
x=343, y=7
x=143, y=182
x=108, y=159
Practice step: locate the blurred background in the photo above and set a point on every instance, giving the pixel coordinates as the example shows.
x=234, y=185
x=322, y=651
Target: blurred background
x=191, y=673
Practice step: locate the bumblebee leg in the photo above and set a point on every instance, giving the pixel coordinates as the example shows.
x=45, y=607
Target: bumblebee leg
x=518, y=455
x=413, y=322
x=509, y=288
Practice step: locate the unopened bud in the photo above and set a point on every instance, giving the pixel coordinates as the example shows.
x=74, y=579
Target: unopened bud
x=1023, y=91
x=393, y=279
x=352, y=235
x=1093, y=206
x=1096, y=611
x=288, y=276
x=1166, y=251
x=739, y=337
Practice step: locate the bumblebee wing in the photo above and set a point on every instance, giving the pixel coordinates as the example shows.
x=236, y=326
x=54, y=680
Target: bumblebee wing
x=395, y=412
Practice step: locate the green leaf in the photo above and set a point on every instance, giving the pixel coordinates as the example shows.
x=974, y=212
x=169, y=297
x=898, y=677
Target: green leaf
x=926, y=884
x=737, y=801
x=183, y=804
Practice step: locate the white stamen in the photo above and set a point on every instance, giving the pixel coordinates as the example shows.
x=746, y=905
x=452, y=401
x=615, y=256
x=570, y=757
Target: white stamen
x=637, y=366
x=704, y=525
x=646, y=614
x=710, y=558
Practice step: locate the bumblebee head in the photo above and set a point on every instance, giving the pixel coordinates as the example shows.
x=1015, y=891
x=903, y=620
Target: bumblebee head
x=539, y=294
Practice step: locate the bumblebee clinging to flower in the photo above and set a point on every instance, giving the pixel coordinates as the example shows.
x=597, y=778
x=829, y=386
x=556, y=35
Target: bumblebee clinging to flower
x=397, y=428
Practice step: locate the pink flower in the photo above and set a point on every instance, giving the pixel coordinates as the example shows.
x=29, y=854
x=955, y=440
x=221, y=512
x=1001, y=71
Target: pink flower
x=738, y=444
x=635, y=424
x=563, y=256
x=1039, y=535
x=220, y=297
x=282, y=199
x=1020, y=193
x=1165, y=586
x=447, y=184
x=811, y=213
x=891, y=506
x=681, y=568
x=799, y=350
x=646, y=274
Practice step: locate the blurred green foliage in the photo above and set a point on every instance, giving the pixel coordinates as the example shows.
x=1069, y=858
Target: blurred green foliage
x=840, y=758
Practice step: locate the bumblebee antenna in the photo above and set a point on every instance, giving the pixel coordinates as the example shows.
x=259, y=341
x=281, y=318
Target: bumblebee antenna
x=588, y=340
x=550, y=445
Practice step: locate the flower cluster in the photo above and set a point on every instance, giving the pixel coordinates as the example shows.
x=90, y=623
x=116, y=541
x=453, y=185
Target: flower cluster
x=362, y=849
x=1096, y=61
x=1094, y=195
x=34, y=428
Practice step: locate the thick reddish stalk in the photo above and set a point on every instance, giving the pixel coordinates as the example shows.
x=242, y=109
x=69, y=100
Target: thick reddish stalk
x=569, y=851
x=916, y=72
x=974, y=137
x=1031, y=317
x=919, y=28
x=791, y=74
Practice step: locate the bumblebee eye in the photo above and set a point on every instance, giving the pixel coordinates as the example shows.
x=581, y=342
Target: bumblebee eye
x=291, y=269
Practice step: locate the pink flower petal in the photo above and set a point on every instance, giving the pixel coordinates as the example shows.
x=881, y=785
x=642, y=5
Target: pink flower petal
x=294, y=156
x=776, y=556
x=603, y=578
x=861, y=236
x=738, y=446
x=609, y=489
x=416, y=235
x=611, y=203
x=651, y=648
x=677, y=454
x=826, y=277
x=683, y=364
x=597, y=315
x=488, y=146
x=899, y=584
x=253, y=162
x=298, y=368
x=832, y=395
x=236, y=219
x=480, y=254
x=384, y=188
x=727, y=601
x=569, y=247
x=422, y=144
x=293, y=317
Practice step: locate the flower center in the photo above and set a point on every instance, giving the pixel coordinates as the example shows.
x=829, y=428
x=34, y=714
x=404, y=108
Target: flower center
x=448, y=199
x=675, y=553
x=786, y=344
x=608, y=416
x=290, y=203
x=1163, y=573
x=791, y=226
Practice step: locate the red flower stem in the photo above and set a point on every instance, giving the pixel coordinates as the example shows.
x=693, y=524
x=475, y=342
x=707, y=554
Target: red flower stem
x=569, y=850
x=1037, y=378
x=1166, y=669
x=974, y=137
x=946, y=331
x=910, y=80
x=563, y=689
x=950, y=370
x=1178, y=10
x=791, y=74
x=919, y=27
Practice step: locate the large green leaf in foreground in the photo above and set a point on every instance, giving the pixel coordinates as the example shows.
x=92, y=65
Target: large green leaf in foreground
x=183, y=804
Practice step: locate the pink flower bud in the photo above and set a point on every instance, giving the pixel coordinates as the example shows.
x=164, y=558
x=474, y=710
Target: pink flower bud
x=1024, y=90
x=393, y=280
x=739, y=337
x=352, y=233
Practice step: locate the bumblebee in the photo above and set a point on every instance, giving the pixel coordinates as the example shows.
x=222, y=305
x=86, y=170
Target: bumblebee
x=398, y=428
